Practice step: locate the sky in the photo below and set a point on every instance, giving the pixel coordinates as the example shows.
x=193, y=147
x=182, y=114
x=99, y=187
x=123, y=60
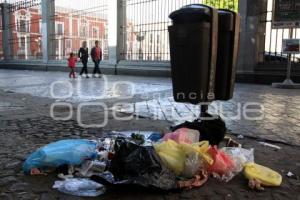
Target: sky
x=80, y=4
x=75, y=4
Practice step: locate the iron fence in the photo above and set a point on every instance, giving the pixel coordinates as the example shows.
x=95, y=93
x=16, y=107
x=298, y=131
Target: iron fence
x=77, y=21
x=1, y=45
x=145, y=33
x=146, y=28
x=273, y=39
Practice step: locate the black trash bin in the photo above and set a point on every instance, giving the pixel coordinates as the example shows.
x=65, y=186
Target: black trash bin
x=193, y=49
x=228, y=43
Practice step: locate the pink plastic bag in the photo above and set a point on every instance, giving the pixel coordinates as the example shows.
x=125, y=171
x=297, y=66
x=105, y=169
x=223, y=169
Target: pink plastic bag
x=223, y=163
x=183, y=135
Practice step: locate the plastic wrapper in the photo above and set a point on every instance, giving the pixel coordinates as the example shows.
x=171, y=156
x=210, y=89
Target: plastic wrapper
x=183, y=135
x=223, y=166
x=89, y=168
x=198, y=180
x=154, y=137
x=240, y=157
x=64, y=152
x=140, y=165
x=193, y=163
x=79, y=187
x=210, y=130
x=107, y=178
x=106, y=144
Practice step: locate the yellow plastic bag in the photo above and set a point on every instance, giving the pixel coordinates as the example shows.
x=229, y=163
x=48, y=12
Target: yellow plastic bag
x=199, y=148
x=171, y=155
x=265, y=175
x=202, y=146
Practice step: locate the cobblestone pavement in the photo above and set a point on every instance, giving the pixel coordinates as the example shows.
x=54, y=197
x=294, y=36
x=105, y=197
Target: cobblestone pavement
x=25, y=125
x=20, y=137
x=152, y=98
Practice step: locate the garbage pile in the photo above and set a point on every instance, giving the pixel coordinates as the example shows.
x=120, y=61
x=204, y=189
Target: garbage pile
x=176, y=160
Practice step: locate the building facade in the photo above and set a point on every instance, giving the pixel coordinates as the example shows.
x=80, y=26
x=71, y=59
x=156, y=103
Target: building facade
x=71, y=30
x=134, y=31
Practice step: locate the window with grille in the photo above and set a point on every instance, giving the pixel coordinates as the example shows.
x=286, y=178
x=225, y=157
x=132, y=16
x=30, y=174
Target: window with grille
x=59, y=30
x=23, y=26
x=22, y=43
x=83, y=28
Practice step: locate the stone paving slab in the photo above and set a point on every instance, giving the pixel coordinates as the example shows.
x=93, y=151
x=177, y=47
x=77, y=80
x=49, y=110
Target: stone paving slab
x=152, y=98
x=280, y=115
x=39, y=84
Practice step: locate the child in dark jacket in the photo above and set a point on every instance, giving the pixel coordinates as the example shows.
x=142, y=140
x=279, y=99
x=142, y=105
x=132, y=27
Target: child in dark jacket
x=72, y=64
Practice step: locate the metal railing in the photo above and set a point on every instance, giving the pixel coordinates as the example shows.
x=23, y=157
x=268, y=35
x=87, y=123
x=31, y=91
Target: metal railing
x=145, y=33
x=1, y=45
x=77, y=21
x=146, y=30
x=273, y=39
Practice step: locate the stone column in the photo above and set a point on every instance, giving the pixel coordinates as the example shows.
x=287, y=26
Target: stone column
x=6, y=31
x=252, y=40
x=116, y=29
x=48, y=29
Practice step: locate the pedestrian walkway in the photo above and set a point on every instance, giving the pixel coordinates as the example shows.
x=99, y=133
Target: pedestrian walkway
x=276, y=116
x=58, y=85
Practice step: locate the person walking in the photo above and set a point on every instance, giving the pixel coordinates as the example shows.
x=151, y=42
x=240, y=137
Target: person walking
x=96, y=54
x=83, y=54
x=72, y=64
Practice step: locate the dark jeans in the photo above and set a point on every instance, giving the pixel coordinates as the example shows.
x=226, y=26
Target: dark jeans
x=97, y=68
x=72, y=73
x=84, y=68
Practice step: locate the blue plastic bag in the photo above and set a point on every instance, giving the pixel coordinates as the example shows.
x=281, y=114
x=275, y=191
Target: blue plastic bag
x=64, y=152
x=154, y=137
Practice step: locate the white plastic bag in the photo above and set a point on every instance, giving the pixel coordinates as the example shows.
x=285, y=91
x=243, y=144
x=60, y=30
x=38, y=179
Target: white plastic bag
x=79, y=187
x=240, y=157
x=90, y=167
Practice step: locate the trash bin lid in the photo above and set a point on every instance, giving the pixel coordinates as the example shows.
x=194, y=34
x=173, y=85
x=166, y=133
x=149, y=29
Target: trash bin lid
x=191, y=14
x=226, y=20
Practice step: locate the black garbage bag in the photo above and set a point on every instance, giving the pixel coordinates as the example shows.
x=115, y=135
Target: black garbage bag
x=140, y=165
x=211, y=130
x=107, y=178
